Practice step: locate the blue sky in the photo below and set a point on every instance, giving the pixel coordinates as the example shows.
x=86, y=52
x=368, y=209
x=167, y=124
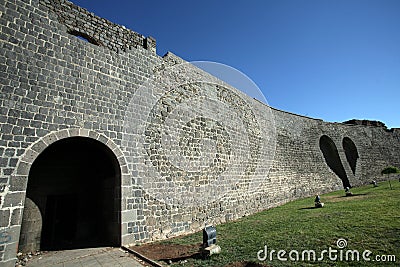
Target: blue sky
x=333, y=60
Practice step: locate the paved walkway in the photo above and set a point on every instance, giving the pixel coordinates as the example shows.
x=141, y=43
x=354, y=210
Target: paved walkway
x=106, y=257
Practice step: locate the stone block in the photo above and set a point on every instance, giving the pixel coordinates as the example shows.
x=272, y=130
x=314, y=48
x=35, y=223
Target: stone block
x=4, y=218
x=14, y=200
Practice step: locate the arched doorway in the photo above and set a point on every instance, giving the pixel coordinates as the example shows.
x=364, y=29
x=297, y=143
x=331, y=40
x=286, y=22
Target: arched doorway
x=74, y=191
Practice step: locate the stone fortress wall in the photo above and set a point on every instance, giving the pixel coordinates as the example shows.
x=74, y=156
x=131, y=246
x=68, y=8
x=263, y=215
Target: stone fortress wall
x=59, y=92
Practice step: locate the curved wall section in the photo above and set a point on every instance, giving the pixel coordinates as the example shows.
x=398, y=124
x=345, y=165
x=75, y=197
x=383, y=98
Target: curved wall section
x=56, y=86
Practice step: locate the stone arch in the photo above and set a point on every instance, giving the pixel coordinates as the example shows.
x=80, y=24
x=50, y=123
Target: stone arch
x=332, y=158
x=32, y=153
x=84, y=36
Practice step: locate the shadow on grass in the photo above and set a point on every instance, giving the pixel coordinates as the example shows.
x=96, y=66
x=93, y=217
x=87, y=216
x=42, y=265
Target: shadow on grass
x=353, y=195
x=309, y=208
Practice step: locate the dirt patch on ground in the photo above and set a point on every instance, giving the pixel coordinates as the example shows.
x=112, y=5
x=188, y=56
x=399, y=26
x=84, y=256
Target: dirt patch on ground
x=344, y=198
x=169, y=252
x=334, y=199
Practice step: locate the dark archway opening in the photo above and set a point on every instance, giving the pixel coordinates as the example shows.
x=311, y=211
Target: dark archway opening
x=351, y=152
x=75, y=183
x=332, y=158
x=84, y=36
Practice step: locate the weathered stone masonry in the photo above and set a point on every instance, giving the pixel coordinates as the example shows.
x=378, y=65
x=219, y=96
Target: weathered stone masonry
x=57, y=88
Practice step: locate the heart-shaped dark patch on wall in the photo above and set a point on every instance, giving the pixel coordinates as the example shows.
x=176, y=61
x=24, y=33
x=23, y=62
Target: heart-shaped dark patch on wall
x=351, y=152
x=332, y=158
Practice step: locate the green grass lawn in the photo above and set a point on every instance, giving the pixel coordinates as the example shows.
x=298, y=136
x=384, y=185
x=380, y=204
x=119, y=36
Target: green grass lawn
x=369, y=220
